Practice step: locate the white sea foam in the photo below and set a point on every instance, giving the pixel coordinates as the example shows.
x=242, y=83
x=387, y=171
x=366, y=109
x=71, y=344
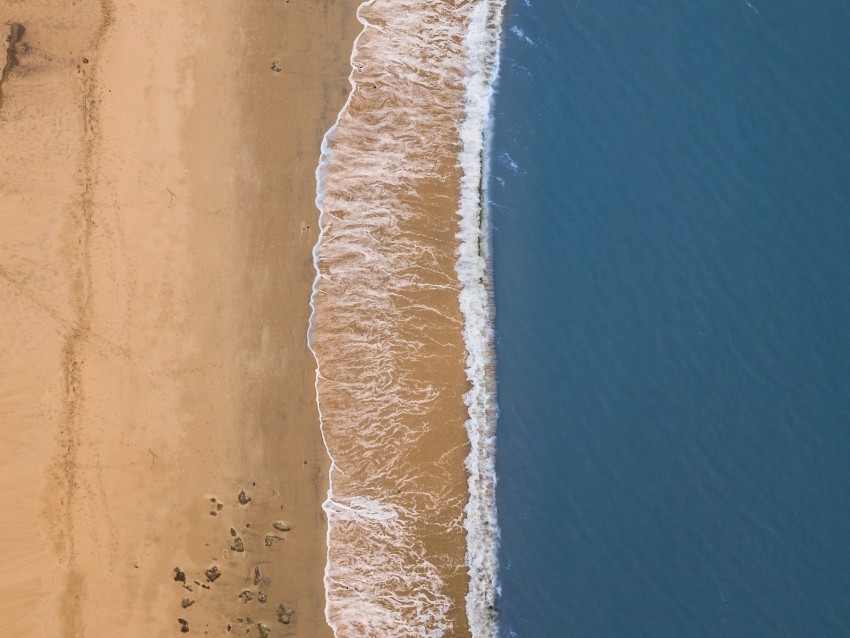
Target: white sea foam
x=474, y=273
x=440, y=62
x=518, y=32
x=506, y=160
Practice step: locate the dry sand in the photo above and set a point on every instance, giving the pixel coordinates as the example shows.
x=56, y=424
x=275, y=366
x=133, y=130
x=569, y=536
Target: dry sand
x=156, y=225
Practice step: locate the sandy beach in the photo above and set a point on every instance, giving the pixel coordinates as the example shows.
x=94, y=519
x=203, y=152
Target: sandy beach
x=159, y=449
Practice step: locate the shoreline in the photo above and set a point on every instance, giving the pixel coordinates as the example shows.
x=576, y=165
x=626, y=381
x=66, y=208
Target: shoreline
x=189, y=379
x=399, y=296
x=475, y=274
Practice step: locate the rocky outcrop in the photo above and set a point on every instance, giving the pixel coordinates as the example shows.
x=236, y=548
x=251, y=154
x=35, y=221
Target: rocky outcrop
x=212, y=573
x=284, y=614
x=12, y=34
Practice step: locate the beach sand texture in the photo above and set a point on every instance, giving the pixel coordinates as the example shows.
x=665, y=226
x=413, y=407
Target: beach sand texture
x=156, y=225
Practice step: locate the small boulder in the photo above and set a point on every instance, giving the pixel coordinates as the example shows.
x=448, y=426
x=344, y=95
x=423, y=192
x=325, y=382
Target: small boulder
x=12, y=34
x=179, y=575
x=280, y=526
x=284, y=614
x=271, y=539
x=212, y=573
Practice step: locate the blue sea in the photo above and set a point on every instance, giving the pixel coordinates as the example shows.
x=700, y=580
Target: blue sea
x=670, y=196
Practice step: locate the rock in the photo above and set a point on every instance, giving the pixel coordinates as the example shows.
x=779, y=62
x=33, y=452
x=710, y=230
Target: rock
x=179, y=575
x=243, y=498
x=186, y=602
x=212, y=573
x=261, y=596
x=264, y=631
x=258, y=577
x=213, y=513
x=232, y=531
x=271, y=539
x=284, y=614
x=184, y=626
x=276, y=66
x=280, y=526
x=249, y=620
x=11, y=35
x=246, y=596
x=14, y=32
x=219, y=506
x=238, y=545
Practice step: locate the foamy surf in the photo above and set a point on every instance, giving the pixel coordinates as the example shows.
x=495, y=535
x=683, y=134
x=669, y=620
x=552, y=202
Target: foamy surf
x=402, y=321
x=476, y=301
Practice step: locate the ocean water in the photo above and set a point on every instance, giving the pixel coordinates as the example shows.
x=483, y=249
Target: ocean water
x=670, y=200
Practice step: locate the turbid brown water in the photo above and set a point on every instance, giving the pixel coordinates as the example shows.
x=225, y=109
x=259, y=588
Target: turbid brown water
x=387, y=330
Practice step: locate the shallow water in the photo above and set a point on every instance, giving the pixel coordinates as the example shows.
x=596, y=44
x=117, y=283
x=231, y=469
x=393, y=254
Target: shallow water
x=401, y=327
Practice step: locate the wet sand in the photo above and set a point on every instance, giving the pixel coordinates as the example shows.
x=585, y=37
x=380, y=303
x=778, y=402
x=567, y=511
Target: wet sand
x=388, y=331
x=156, y=225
